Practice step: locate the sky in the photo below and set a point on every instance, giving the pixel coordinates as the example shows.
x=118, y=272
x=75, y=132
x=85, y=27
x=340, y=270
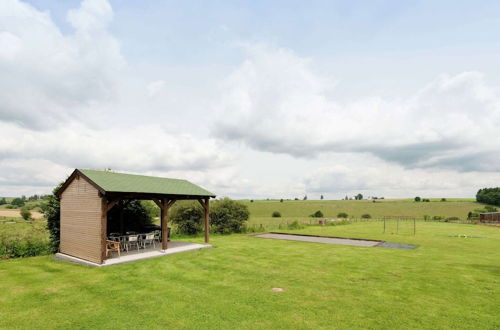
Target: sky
x=253, y=99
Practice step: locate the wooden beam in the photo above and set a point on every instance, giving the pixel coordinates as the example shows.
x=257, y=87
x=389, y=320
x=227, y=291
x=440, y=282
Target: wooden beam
x=158, y=202
x=112, y=203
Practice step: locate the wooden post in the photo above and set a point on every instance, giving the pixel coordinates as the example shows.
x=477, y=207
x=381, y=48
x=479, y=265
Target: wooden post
x=207, y=221
x=206, y=207
x=164, y=225
x=164, y=205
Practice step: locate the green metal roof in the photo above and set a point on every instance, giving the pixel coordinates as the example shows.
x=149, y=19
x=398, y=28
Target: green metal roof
x=131, y=183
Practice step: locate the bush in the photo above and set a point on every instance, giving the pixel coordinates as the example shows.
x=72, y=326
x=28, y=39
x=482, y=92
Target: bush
x=188, y=216
x=20, y=249
x=281, y=200
x=489, y=208
x=342, y=215
x=52, y=211
x=3, y=201
x=437, y=217
x=317, y=214
x=451, y=219
x=135, y=217
x=472, y=215
x=417, y=199
x=276, y=214
x=366, y=216
x=443, y=199
x=26, y=214
x=427, y=200
x=427, y=217
x=19, y=202
x=295, y=225
x=10, y=206
x=228, y=216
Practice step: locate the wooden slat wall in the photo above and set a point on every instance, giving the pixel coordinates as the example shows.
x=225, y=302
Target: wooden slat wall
x=81, y=221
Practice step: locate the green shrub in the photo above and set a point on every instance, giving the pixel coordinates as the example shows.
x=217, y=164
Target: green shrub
x=317, y=214
x=342, y=215
x=10, y=206
x=3, y=201
x=188, y=217
x=276, y=214
x=228, y=216
x=427, y=217
x=295, y=225
x=26, y=248
x=443, y=199
x=451, y=219
x=366, y=216
x=417, y=199
x=52, y=212
x=489, y=208
x=26, y=214
x=19, y=202
x=437, y=217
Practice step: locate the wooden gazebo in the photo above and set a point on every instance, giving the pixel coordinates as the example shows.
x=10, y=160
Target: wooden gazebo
x=88, y=195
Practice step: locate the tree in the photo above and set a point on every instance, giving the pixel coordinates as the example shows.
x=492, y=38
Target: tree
x=366, y=216
x=228, y=216
x=489, y=196
x=321, y=197
x=187, y=215
x=417, y=199
x=342, y=215
x=443, y=199
x=19, y=202
x=305, y=197
x=358, y=197
x=129, y=215
x=3, y=201
x=281, y=200
x=52, y=211
x=276, y=214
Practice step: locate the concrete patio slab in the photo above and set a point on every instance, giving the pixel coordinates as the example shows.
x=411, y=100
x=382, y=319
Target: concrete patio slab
x=142, y=254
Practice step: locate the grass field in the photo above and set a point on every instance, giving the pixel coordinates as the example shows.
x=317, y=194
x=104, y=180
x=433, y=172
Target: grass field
x=261, y=210
x=446, y=283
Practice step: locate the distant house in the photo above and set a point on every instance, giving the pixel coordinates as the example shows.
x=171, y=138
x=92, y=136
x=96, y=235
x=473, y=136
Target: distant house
x=88, y=195
x=489, y=217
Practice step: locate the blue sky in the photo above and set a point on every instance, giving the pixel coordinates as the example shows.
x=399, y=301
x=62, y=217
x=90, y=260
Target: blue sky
x=353, y=96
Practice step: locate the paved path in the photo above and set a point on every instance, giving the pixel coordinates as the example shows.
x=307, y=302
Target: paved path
x=325, y=240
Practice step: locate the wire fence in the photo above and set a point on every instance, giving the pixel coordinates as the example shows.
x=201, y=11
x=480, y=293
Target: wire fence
x=299, y=223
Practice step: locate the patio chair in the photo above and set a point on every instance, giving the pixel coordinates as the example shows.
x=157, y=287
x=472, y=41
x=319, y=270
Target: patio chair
x=112, y=246
x=148, y=239
x=132, y=240
x=157, y=236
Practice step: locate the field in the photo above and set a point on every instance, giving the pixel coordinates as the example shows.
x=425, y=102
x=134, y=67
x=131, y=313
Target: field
x=446, y=283
x=261, y=210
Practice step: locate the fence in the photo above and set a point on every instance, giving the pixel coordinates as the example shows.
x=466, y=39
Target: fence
x=289, y=224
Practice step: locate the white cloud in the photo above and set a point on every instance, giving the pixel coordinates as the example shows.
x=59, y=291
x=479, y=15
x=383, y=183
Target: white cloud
x=155, y=87
x=354, y=173
x=48, y=76
x=276, y=102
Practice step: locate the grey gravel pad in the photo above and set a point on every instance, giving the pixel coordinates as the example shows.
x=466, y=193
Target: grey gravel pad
x=397, y=246
x=325, y=240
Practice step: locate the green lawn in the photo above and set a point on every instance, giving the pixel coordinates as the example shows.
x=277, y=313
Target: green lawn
x=261, y=210
x=447, y=283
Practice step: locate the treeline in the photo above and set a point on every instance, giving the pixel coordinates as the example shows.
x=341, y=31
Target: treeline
x=489, y=196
